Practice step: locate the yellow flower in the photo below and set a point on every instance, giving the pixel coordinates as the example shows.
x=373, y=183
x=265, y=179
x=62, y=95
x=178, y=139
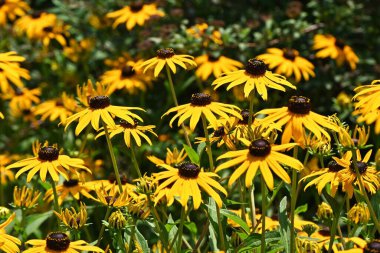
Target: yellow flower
x=34, y=24
x=11, y=72
x=138, y=205
x=73, y=219
x=184, y=182
x=172, y=157
x=10, y=9
x=167, y=57
x=324, y=211
x=23, y=98
x=59, y=242
x=110, y=184
x=8, y=243
x=1, y=115
x=136, y=13
x=306, y=245
x=262, y=155
x=131, y=132
x=117, y=220
x=201, y=104
x=111, y=197
x=48, y=160
x=75, y=50
x=56, y=32
x=98, y=107
x=359, y=213
x=6, y=175
x=254, y=76
x=297, y=117
x=336, y=49
x=369, y=174
x=71, y=187
x=25, y=197
x=53, y=109
x=126, y=78
x=208, y=64
x=288, y=62
x=202, y=31
x=221, y=136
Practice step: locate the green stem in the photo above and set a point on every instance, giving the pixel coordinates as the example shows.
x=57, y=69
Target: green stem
x=242, y=198
x=84, y=142
x=253, y=208
x=180, y=229
x=263, y=213
x=134, y=161
x=103, y=228
x=293, y=202
x=362, y=189
x=203, y=234
x=56, y=205
x=133, y=229
x=333, y=231
x=176, y=103
x=113, y=158
x=347, y=199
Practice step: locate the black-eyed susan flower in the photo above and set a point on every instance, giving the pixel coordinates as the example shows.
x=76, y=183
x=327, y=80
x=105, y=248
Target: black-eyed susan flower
x=172, y=157
x=23, y=98
x=368, y=173
x=138, y=205
x=206, y=33
x=34, y=24
x=260, y=155
x=361, y=246
x=111, y=197
x=8, y=243
x=221, y=136
x=208, y=64
x=185, y=181
x=288, y=62
x=126, y=78
x=6, y=175
x=110, y=183
x=25, y=197
x=324, y=212
x=359, y=214
x=136, y=13
x=58, y=108
x=11, y=9
x=296, y=117
x=201, y=104
x=71, y=187
x=167, y=57
x=59, y=242
x=73, y=219
x=132, y=132
x=57, y=32
x=47, y=159
x=327, y=175
x=98, y=107
x=255, y=76
x=77, y=50
x=117, y=220
x=11, y=72
x=336, y=49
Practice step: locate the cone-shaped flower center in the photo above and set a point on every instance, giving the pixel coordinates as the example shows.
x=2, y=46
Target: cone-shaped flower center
x=70, y=183
x=339, y=43
x=212, y=58
x=126, y=124
x=48, y=153
x=99, y=102
x=110, y=200
x=2, y=2
x=48, y=29
x=373, y=247
x=200, y=99
x=188, y=170
x=219, y=132
x=260, y=147
x=57, y=241
x=37, y=14
x=136, y=6
x=127, y=71
x=59, y=102
x=362, y=167
x=245, y=115
x=165, y=53
x=123, y=178
x=255, y=67
x=334, y=166
x=290, y=54
x=299, y=105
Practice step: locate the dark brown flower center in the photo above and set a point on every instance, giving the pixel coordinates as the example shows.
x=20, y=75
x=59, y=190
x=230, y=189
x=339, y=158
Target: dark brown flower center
x=99, y=102
x=36, y=14
x=26, y=112
x=299, y=105
x=48, y=153
x=212, y=58
x=123, y=178
x=339, y=43
x=188, y=170
x=59, y=103
x=165, y=53
x=2, y=2
x=126, y=124
x=334, y=166
x=19, y=92
x=110, y=200
x=245, y=115
x=48, y=29
x=289, y=54
x=255, y=67
x=57, y=241
x=127, y=71
x=362, y=167
x=260, y=147
x=200, y=99
x=373, y=247
x=70, y=183
x=219, y=132
x=136, y=6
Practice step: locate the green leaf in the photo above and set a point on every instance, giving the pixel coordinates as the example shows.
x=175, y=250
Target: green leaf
x=301, y=209
x=172, y=229
x=233, y=216
x=254, y=240
x=200, y=148
x=213, y=227
x=284, y=225
x=192, y=154
x=34, y=221
x=141, y=241
x=332, y=202
x=191, y=227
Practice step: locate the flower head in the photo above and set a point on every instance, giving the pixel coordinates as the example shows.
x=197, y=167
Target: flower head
x=70, y=188
x=34, y=24
x=11, y=72
x=359, y=213
x=8, y=243
x=167, y=57
x=25, y=197
x=254, y=76
x=73, y=219
x=11, y=9
x=208, y=64
x=172, y=157
x=117, y=220
x=111, y=197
